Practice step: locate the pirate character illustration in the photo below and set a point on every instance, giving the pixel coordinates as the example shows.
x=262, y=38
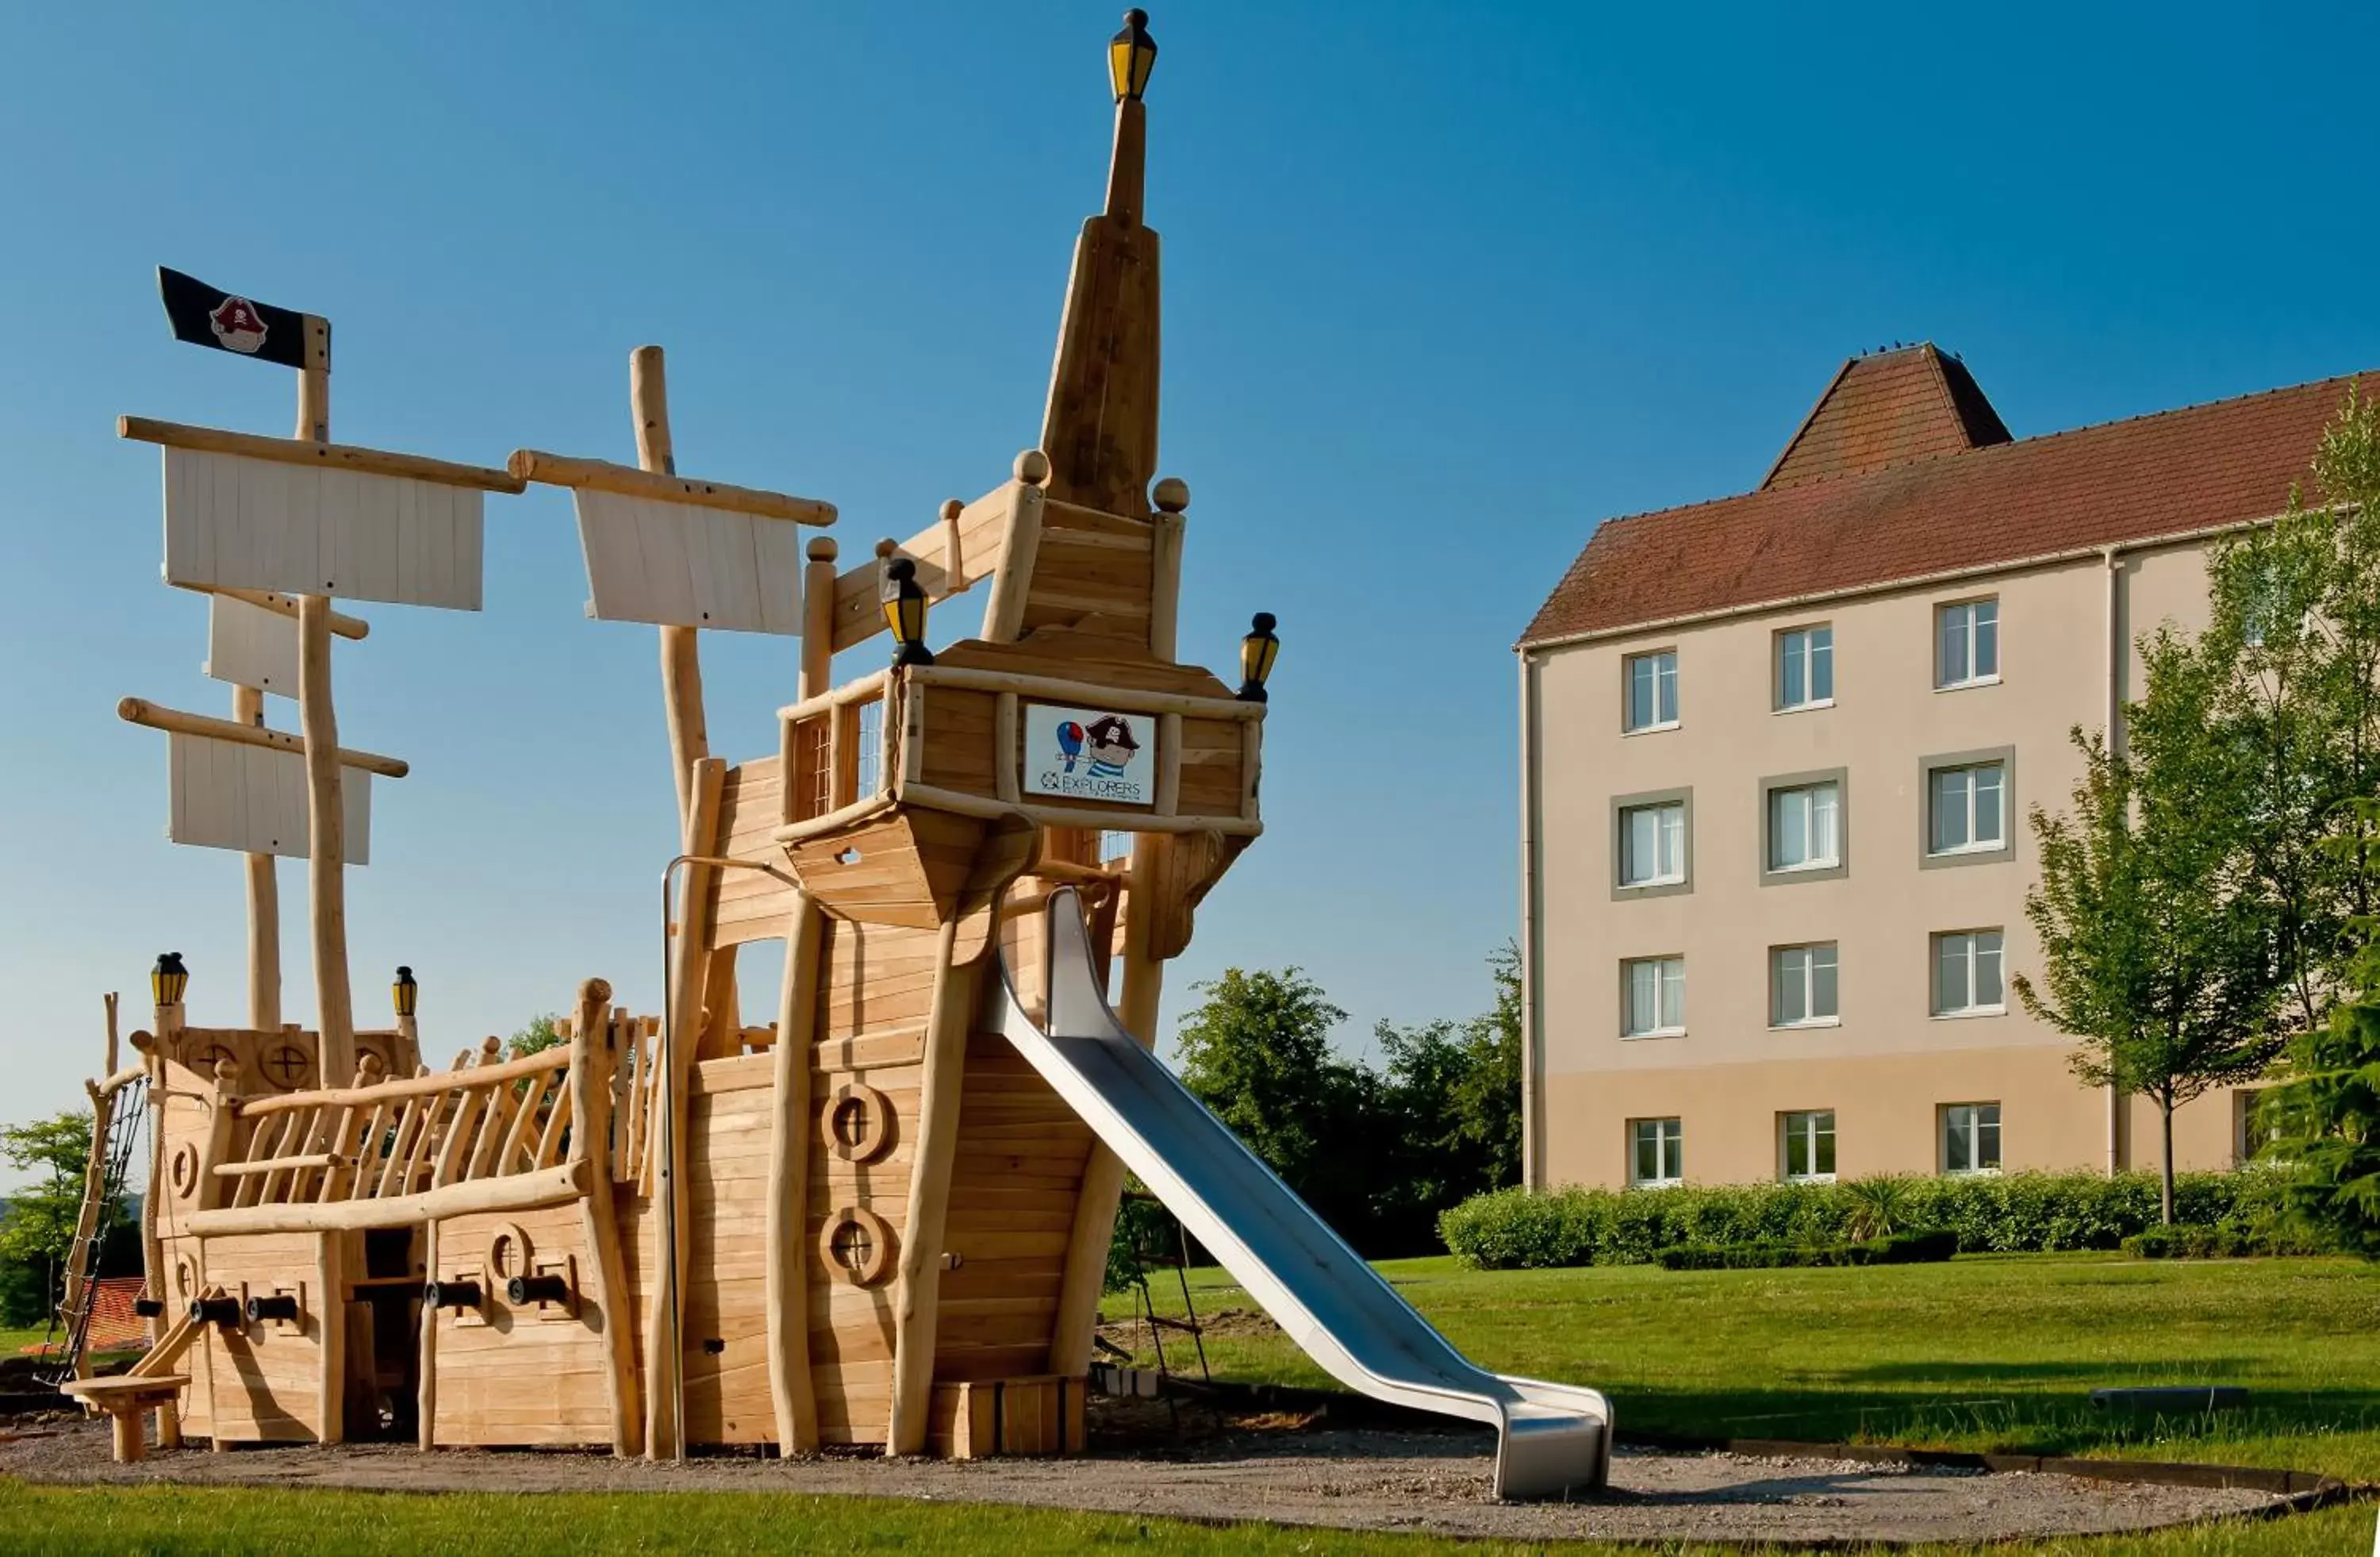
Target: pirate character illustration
x=238, y=325
x=1110, y=743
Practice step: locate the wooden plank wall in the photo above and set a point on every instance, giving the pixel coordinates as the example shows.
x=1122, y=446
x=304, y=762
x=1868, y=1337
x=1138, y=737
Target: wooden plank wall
x=265, y=1379
x=1091, y=563
x=874, y=995
x=1013, y=1188
x=529, y=1376
x=748, y=904
x=303, y=529
x=727, y=1397
x=960, y=747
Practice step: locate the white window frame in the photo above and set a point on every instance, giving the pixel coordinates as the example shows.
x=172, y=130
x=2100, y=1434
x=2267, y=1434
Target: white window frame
x=1673, y=839
x=1803, y=1123
x=1807, y=795
x=1943, y=1011
x=1669, y=997
x=1966, y=613
x=1669, y=1141
x=1975, y=1125
x=1974, y=844
x=1665, y=669
x=1811, y=652
x=1780, y=977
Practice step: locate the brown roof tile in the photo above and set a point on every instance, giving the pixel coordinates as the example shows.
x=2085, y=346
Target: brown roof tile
x=2166, y=474
x=1885, y=409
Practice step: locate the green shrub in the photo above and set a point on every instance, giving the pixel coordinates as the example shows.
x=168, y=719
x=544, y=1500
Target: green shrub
x=1913, y=1248
x=2012, y=1213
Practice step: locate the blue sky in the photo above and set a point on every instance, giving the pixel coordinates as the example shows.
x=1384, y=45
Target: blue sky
x=1444, y=286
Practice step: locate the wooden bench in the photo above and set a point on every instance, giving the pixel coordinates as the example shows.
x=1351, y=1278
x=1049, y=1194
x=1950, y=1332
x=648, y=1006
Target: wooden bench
x=124, y=1399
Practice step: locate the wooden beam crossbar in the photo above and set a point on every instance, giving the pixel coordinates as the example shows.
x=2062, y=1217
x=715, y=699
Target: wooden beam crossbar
x=629, y=480
x=342, y=625
x=300, y=451
x=140, y=711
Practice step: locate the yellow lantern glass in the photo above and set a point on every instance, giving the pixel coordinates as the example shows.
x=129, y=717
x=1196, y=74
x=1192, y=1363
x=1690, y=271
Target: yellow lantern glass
x=1259, y=650
x=404, y=992
x=903, y=600
x=168, y=978
x=1132, y=55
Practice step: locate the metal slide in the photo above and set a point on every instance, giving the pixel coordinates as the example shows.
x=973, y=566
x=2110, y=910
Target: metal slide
x=1552, y=1438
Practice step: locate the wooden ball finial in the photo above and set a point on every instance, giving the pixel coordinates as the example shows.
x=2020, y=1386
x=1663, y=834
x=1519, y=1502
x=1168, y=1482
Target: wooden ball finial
x=226, y=1070
x=1172, y=494
x=951, y=509
x=886, y=547
x=823, y=549
x=1032, y=468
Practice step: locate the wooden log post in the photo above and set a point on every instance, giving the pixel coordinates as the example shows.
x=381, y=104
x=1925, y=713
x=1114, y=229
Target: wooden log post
x=681, y=650
x=688, y=964
x=263, y=902
x=591, y=1038
x=331, y=1274
x=787, y=1284
x=166, y=1022
x=426, y=1392
x=326, y=846
x=94, y=1189
x=917, y=1297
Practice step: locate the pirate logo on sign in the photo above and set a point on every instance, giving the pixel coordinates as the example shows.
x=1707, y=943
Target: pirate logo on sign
x=239, y=326
x=1087, y=754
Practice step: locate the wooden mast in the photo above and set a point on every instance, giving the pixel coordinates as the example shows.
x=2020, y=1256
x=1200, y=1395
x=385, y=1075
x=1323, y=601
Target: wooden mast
x=326, y=846
x=1100, y=433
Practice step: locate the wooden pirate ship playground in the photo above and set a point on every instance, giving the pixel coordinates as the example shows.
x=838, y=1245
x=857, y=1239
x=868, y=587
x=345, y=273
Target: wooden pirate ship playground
x=883, y=1219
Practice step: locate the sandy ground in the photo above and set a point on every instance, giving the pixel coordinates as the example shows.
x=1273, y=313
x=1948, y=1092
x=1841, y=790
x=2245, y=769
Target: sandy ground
x=1364, y=1479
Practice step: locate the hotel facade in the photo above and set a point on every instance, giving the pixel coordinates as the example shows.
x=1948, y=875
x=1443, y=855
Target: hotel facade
x=1778, y=755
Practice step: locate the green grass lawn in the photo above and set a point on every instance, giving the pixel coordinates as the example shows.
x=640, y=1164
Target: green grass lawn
x=1992, y=1351
x=1984, y=1352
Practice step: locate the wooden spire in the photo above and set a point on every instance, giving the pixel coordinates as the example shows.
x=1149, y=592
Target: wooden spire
x=1100, y=428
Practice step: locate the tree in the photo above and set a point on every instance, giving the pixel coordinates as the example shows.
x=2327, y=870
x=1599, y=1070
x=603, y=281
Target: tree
x=2326, y=1117
x=539, y=1036
x=1453, y=1091
x=2156, y=953
x=1257, y=1051
x=2293, y=642
x=37, y=1231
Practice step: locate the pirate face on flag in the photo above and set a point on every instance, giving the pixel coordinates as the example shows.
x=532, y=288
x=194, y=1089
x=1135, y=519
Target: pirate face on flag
x=205, y=315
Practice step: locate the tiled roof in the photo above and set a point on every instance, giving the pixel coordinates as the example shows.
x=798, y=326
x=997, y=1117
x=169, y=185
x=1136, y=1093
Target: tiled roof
x=1885, y=409
x=2166, y=474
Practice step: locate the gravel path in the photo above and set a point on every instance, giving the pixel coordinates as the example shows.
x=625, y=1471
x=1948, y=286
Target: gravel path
x=1361, y=1480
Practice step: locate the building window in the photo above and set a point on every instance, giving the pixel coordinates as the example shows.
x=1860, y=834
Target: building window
x=1809, y=1142
x=1657, y=1152
x=1652, y=690
x=1653, y=844
x=1968, y=806
x=1971, y=1139
x=1967, y=644
x=1967, y=974
x=1654, y=990
x=1805, y=668
x=2255, y=1126
x=1805, y=827
x=1802, y=986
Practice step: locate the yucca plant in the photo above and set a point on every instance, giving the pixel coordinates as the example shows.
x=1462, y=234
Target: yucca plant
x=1878, y=1206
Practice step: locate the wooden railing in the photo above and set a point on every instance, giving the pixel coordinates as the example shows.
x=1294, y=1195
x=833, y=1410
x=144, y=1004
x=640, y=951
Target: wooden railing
x=481, y=1137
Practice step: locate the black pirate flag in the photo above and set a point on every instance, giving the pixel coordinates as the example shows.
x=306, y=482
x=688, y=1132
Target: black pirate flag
x=205, y=315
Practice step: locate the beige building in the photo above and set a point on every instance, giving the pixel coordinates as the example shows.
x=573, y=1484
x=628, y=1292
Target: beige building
x=1777, y=752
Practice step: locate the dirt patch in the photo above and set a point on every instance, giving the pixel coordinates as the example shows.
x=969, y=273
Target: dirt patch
x=1363, y=1480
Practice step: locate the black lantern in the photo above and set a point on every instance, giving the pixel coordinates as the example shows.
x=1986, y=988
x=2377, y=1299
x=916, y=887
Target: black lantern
x=1132, y=55
x=168, y=978
x=905, y=611
x=1257, y=651
x=405, y=992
